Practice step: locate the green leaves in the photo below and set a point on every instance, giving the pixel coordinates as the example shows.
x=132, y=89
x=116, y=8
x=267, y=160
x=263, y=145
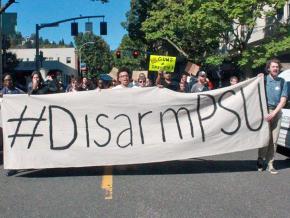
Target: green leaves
x=95, y=52
x=258, y=56
x=126, y=48
x=208, y=31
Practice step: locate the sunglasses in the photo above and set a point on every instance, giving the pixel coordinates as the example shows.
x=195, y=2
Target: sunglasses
x=141, y=81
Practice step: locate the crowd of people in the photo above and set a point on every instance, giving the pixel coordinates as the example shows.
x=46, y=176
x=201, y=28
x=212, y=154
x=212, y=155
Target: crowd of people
x=49, y=84
x=276, y=91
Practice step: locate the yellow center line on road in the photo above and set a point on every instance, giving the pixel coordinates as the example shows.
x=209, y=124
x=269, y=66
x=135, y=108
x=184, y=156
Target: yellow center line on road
x=107, y=182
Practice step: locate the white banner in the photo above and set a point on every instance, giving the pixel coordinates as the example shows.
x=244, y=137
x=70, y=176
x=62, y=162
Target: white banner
x=129, y=126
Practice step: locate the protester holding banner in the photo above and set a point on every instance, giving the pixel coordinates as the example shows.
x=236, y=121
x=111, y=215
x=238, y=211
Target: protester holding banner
x=149, y=82
x=191, y=80
x=9, y=87
x=86, y=84
x=52, y=84
x=152, y=125
x=100, y=85
x=114, y=84
x=183, y=83
x=276, y=92
x=182, y=88
x=209, y=84
x=234, y=80
x=164, y=80
x=141, y=81
x=123, y=77
x=37, y=86
x=73, y=86
x=201, y=84
x=183, y=78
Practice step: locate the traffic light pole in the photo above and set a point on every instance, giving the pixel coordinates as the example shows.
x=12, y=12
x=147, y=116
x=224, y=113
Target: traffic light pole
x=38, y=27
x=80, y=56
x=2, y=10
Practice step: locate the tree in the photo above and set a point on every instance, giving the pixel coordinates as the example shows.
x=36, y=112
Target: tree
x=127, y=47
x=276, y=43
x=234, y=23
x=61, y=43
x=10, y=62
x=135, y=17
x=71, y=45
x=196, y=29
x=16, y=40
x=96, y=54
x=171, y=25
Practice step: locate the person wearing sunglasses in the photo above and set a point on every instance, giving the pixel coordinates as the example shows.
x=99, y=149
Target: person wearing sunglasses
x=142, y=83
x=142, y=80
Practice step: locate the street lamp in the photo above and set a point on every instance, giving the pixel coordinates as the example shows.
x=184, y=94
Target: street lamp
x=80, y=54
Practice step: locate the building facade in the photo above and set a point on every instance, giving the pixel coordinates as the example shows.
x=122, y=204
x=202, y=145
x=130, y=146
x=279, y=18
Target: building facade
x=63, y=60
x=264, y=26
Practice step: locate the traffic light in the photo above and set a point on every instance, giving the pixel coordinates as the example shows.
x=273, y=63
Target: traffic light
x=103, y=28
x=118, y=54
x=74, y=29
x=135, y=53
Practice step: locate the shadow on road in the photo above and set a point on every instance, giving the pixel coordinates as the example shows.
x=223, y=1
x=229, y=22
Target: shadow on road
x=191, y=166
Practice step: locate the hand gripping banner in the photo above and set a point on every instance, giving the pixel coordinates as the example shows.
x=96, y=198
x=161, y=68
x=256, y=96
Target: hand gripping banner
x=130, y=126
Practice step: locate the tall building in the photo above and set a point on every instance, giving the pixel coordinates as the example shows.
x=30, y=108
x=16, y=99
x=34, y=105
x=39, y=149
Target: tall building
x=265, y=27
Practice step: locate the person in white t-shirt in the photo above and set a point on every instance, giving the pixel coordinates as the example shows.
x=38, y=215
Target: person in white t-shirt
x=123, y=77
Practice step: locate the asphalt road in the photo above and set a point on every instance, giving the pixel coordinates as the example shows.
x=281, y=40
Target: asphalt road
x=220, y=186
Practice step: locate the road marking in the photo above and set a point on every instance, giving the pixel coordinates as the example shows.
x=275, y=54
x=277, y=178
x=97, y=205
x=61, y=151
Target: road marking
x=107, y=182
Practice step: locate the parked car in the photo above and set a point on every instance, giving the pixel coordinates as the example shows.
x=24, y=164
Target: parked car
x=284, y=135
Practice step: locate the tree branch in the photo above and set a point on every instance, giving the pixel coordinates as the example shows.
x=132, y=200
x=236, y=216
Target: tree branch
x=176, y=47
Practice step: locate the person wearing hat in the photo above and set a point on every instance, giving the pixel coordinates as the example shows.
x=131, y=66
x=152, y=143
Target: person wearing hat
x=201, y=85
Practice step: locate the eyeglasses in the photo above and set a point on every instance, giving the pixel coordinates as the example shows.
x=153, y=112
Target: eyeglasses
x=141, y=81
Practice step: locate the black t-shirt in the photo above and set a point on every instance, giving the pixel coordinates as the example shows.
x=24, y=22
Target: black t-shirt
x=172, y=85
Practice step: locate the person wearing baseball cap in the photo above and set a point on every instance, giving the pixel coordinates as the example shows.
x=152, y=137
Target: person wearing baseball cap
x=201, y=85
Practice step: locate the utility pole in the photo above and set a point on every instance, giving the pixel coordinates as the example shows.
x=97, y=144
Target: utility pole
x=2, y=10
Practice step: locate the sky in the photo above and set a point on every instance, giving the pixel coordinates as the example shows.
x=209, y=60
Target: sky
x=32, y=12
